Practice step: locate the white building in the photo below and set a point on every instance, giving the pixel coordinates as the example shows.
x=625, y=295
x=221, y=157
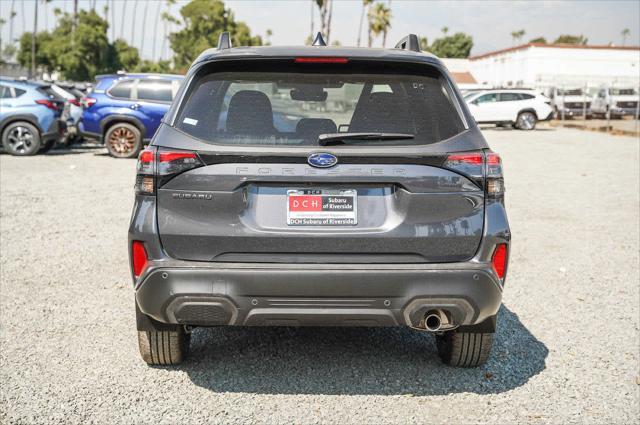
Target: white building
x=545, y=65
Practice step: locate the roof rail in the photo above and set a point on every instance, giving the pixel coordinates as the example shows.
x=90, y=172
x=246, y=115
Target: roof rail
x=410, y=42
x=224, y=41
x=319, y=41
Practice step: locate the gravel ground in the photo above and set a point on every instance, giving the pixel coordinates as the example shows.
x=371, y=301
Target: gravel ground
x=566, y=349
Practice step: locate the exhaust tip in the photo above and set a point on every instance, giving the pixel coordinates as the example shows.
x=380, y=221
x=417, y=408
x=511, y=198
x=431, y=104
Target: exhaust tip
x=433, y=321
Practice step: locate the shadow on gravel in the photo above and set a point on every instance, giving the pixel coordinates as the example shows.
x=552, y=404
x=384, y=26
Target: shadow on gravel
x=352, y=361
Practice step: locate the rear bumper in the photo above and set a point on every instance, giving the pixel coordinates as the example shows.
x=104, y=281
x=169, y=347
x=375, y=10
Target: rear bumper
x=326, y=295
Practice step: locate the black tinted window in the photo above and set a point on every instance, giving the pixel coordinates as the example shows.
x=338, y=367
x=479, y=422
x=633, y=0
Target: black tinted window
x=526, y=96
x=122, y=89
x=5, y=93
x=18, y=92
x=509, y=97
x=294, y=108
x=154, y=90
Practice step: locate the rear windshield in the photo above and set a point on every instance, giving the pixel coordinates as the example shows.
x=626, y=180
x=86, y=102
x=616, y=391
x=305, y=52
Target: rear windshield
x=277, y=108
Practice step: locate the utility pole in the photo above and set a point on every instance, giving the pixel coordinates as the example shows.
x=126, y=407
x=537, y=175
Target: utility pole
x=32, y=74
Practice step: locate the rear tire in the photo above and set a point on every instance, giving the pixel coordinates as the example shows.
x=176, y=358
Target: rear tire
x=123, y=140
x=21, y=138
x=464, y=349
x=526, y=121
x=163, y=347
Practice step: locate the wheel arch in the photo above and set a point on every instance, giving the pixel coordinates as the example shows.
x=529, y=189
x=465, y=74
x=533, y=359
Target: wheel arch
x=111, y=120
x=31, y=119
x=532, y=110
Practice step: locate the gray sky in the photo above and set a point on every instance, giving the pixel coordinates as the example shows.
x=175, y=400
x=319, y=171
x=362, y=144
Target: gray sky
x=489, y=22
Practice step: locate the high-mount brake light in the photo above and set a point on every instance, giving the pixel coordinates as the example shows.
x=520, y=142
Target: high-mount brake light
x=320, y=60
x=139, y=258
x=499, y=260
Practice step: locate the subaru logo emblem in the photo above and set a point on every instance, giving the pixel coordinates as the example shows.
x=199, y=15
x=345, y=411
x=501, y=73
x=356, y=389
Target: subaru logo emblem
x=322, y=160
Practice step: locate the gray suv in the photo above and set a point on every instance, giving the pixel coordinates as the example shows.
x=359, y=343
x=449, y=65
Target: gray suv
x=319, y=186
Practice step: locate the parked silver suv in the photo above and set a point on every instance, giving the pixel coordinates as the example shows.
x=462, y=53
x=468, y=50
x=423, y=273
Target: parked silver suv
x=330, y=186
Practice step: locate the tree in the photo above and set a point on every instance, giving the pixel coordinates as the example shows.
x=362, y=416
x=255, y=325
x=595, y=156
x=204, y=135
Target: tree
x=445, y=30
x=516, y=36
x=625, y=33
x=326, y=10
x=424, y=43
x=127, y=56
x=457, y=45
x=571, y=39
x=365, y=10
x=380, y=19
x=267, y=37
x=203, y=21
x=538, y=40
x=95, y=55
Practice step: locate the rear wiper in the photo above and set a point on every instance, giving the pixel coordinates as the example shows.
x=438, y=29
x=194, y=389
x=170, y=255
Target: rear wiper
x=338, y=138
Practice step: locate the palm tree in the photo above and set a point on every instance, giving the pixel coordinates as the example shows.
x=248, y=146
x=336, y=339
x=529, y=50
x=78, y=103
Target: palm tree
x=625, y=33
x=326, y=9
x=380, y=21
x=155, y=33
x=144, y=26
x=365, y=8
x=133, y=21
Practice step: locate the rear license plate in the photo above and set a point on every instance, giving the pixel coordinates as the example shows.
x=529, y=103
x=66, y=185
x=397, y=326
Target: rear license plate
x=321, y=207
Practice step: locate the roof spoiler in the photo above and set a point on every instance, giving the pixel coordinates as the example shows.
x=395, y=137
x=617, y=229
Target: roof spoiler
x=410, y=42
x=224, y=41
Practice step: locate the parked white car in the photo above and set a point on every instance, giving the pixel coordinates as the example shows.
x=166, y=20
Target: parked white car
x=520, y=108
x=620, y=101
x=570, y=102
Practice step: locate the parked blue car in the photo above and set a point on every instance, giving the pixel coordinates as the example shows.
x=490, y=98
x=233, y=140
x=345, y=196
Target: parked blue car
x=124, y=110
x=29, y=117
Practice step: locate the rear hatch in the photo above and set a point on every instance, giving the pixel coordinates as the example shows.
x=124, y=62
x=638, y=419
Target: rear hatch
x=309, y=161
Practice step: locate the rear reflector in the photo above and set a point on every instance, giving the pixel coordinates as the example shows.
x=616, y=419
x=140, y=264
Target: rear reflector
x=499, y=260
x=139, y=258
x=321, y=60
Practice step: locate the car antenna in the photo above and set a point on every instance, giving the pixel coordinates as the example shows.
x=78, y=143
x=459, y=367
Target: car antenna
x=319, y=41
x=224, y=42
x=410, y=42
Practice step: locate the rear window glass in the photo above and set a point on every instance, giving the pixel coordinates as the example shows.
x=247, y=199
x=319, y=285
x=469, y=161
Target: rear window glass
x=278, y=108
x=122, y=89
x=154, y=90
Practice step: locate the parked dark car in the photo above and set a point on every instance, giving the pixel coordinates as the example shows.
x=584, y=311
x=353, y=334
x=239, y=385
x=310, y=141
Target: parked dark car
x=29, y=117
x=386, y=210
x=124, y=110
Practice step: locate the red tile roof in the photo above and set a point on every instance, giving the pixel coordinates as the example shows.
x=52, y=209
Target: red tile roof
x=463, y=78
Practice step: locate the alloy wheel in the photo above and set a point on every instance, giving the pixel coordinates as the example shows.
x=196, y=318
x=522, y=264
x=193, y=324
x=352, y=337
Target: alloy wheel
x=526, y=121
x=20, y=139
x=122, y=141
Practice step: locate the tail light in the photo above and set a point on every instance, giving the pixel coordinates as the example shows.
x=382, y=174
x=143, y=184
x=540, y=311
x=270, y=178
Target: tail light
x=157, y=166
x=139, y=258
x=480, y=166
x=74, y=102
x=499, y=260
x=88, y=102
x=49, y=104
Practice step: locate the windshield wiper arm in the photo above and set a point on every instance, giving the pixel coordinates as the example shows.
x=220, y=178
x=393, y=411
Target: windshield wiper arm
x=336, y=138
